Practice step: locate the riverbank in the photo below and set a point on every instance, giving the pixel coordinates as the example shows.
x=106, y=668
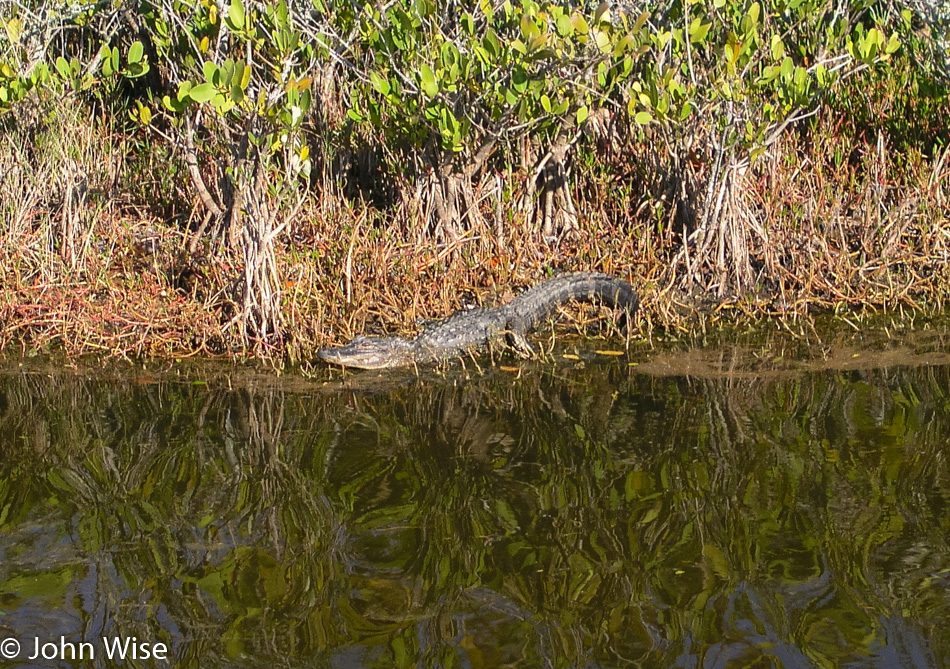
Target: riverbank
x=105, y=249
x=130, y=287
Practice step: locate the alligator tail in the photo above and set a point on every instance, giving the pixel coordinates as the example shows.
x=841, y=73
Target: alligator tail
x=537, y=303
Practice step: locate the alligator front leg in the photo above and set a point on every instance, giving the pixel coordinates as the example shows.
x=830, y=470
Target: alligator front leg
x=518, y=342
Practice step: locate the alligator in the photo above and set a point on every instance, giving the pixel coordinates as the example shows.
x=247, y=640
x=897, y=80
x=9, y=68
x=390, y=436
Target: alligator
x=466, y=330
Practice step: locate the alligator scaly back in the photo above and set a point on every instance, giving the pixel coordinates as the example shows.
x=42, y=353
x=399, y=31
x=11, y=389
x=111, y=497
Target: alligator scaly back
x=466, y=330
x=539, y=302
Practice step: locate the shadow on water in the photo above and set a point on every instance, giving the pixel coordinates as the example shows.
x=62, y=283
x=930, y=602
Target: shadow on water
x=582, y=513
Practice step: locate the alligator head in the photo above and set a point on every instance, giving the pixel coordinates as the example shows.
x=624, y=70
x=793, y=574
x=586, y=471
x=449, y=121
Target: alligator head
x=371, y=353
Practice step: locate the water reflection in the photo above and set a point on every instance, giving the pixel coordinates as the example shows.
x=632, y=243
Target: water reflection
x=579, y=513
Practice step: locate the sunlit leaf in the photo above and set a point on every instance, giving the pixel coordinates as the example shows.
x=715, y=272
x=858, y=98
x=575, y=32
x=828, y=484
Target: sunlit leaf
x=236, y=16
x=427, y=79
x=135, y=52
x=202, y=92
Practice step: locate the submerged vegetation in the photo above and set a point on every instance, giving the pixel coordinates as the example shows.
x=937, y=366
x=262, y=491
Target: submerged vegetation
x=269, y=177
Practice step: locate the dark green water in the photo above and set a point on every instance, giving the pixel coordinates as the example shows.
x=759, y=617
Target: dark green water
x=578, y=514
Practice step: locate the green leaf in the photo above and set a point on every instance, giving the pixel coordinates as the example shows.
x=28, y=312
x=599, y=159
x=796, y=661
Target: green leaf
x=869, y=49
x=801, y=79
x=481, y=54
x=14, y=28
x=529, y=29
x=40, y=74
x=171, y=105
x=225, y=74
x=787, y=68
x=449, y=122
x=210, y=71
x=564, y=26
x=306, y=100
x=105, y=54
x=202, y=92
x=135, y=52
x=491, y=45
x=778, y=48
x=642, y=118
x=624, y=44
x=579, y=23
x=237, y=93
x=429, y=85
x=450, y=55
x=379, y=83
x=893, y=44
x=582, y=114
x=62, y=66
x=236, y=15
x=519, y=79
x=752, y=15
x=698, y=31
x=237, y=77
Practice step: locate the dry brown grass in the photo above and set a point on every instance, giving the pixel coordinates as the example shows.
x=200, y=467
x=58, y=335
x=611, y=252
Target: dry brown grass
x=78, y=273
